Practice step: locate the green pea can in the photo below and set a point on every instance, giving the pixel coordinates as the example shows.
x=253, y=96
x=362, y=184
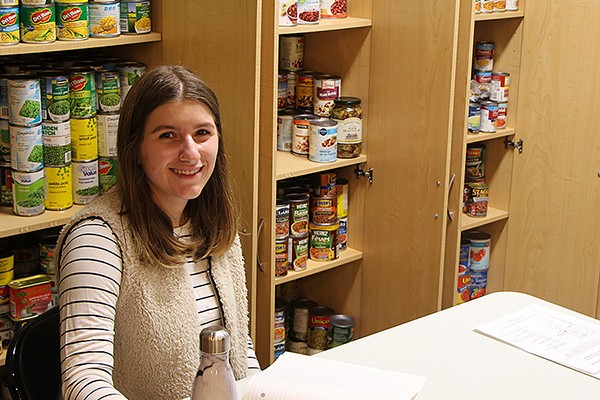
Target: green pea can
x=342, y=329
x=37, y=23
x=4, y=143
x=108, y=173
x=84, y=139
x=82, y=91
x=129, y=73
x=55, y=96
x=59, y=188
x=26, y=148
x=5, y=187
x=108, y=125
x=28, y=192
x=108, y=91
x=56, y=139
x=72, y=21
x=85, y=181
x=24, y=100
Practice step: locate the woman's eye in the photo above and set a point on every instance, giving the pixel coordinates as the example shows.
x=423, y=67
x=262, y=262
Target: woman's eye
x=166, y=135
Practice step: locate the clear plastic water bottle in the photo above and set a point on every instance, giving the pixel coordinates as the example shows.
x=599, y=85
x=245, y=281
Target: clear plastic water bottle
x=214, y=379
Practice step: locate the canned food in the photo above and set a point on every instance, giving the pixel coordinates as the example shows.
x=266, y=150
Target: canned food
x=4, y=113
x=512, y=5
x=82, y=92
x=324, y=241
x=285, y=124
x=477, y=6
x=135, y=17
x=479, y=280
x=108, y=91
x=59, y=188
x=300, y=311
x=4, y=3
x=281, y=257
x=129, y=73
x=480, y=250
x=288, y=12
x=281, y=90
x=342, y=329
x=464, y=252
x=304, y=90
x=487, y=6
x=499, y=5
x=291, y=53
x=292, y=80
x=6, y=187
x=108, y=173
x=47, y=248
x=282, y=219
x=475, y=162
x=298, y=252
x=85, y=181
x=108, y=125
x=26, y=147
x=28, y=192
x=319, y=327
x=463, y=286
x=4, y=143
x=301, y=133
x=298, y=214
x=484, y=52
x=474, y=118
x=56, y=140
x=55, y=96
x=7, y=267
x=104, y=19
x=343, y=234
x=29, y=297
x=326, y=89
x=477, y=203
x=322, y=144
x=37, y=23
x=323, y=209
x=72, y=21
x=278, y=349
x=24, y=100
x=499, y=86
x=278, y=334
x=489, y=115
x=484, y=81
x=347, y=112
x=326, y=184
x=9, y=25
x=84, y=139
x=309, y=12
x=279, y=312
x=297, y=346
x=502, y=112
x=334, y=8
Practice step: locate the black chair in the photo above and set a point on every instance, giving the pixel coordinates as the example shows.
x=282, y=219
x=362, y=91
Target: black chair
x=33, y=359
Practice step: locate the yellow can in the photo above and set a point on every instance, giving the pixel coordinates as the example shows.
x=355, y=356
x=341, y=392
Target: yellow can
x=59, y=187
x=84, y=139
x=7, y=266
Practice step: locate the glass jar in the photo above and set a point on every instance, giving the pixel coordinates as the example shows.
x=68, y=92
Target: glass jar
x=347, y=112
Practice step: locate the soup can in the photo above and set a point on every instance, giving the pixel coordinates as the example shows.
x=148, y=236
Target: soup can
x=108, y=125
x=72, y=21
x=85, y=181
x=305, y=89
x=480, y=250
x=55, y=96
x=298, y=252
x=288, y=12
x=26, y=148
x=489, y=115
x=300, y=311
x=309, y=12
x=82, y=92
x=299, y=210
x=323, y=209
x=37, y=23
x=6, y=187
x=285, y=127
x=29, y=297
x=28, y=193
x=135, y=17
x=484, y=54
x=499, y=86
x=24, y=100
x=9, y=25
x=108, y=173
x=84, y=139
x=59, y=187
x=7, y=266
x=326, y=90
x=334, y=9
x=282, y=219
x=291, y=52
x=322, y=145
x=319, y=327
x=301, y=133
x=108, y=91
x=47, y=248
x=281, y=257
x=129, y=73
x=104, y=19
x=56, y=139
x=477, y=203
x=343, y=234
x=323, y=241
x=502, y=113
x=342, y=329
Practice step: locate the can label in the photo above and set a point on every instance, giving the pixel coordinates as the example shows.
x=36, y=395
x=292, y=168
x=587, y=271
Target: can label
x=324, y=242
x=487, y=5
x=282, y=221
x=328, y=184
x=301, y=133
x=502, y=111
x=343, y=234
x=129, y=73
x=72, y=21
x=334, y=8
x=484, y=52
x=323, y=210
x=4, y=142
x=4, y=112
x=475, y=163
x=6, y=187
x=477, y=204
x=82, y=90
x=135, y=17
x=291, y=53
x=28, y=192
x=288, y=12
x=463, y=287
x=499, y=86
x=56, y=138
x=108, y=91
x=30, y=300
x=480, y=254
x=108, y=125
x=47, y=249
x=59, y=188
x=304, y=91
x=107, y=173
x=26, y=148
x=342, y=329
x=284, y=132
x=465, y=253
x=326, y=90
x=499, y=5
x=9, y=25
x=319, y=327
x=85, y=181
x=104, y=19
x=55, y=98
x=38, y=24
x=281, y=257
x=323, y=141
x=84, y=139
x=292, y=80
x=309, y=12
x=299, y=217
x=479, y=279
x=281, y=91
x=474, y=118
x=349, y=130
x=24, y=101
x=298, y=252
x=489, y=115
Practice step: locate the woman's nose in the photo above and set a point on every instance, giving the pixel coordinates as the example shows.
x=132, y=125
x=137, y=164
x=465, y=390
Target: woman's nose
x=188, y=149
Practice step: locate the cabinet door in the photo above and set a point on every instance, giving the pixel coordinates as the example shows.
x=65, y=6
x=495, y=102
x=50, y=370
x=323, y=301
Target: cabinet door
x=554, y=235
x=410, y=113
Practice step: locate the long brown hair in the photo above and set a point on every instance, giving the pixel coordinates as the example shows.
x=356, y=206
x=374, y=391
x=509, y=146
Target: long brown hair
x=213, y=214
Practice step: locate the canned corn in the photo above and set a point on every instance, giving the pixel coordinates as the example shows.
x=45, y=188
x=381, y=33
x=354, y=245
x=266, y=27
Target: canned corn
x=104, y=19
x=37, y=23
x=9, y=25
x=72, y=21
x=135, y=17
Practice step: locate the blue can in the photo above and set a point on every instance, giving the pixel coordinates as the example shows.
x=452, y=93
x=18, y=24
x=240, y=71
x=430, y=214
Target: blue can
x=479, y=279
x=474, y=119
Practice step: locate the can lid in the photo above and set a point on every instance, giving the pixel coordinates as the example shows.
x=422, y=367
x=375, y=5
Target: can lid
x=476, y=235
x=347, y=100
x=341, y=320
x=215, y=340
x=320, y=311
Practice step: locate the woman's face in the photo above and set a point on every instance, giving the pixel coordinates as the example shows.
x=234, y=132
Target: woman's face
x=178, y=153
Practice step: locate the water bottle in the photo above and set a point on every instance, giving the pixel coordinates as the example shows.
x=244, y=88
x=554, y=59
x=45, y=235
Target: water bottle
x=214, y=379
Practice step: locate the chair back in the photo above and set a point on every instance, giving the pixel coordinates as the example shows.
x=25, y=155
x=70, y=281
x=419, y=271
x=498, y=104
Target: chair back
x=33, y=359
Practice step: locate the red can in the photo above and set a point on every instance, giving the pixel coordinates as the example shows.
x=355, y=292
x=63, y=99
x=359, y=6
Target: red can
x=319, y=327
x=29, y=297
x=323, y=209
x=499, y=86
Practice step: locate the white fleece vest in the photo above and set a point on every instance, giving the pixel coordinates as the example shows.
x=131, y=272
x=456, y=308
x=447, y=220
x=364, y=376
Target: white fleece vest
x=156, y=347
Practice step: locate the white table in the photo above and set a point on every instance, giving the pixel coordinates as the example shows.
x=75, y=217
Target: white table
x=460, y=363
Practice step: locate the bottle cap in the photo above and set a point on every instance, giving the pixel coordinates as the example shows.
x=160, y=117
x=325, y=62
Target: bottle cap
x=215, y=340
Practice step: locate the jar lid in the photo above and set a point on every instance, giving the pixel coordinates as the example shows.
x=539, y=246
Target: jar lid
x=347, y=100
x=215, y=340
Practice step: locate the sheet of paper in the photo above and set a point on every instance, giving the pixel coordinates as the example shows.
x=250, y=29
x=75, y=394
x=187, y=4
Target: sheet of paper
x=554, y=335
x=299, y=377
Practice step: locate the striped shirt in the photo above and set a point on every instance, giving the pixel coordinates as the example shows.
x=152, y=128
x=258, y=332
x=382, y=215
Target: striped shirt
x=90, y=278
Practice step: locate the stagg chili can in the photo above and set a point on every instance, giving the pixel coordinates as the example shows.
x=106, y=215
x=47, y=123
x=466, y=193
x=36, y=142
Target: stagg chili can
x=489, y=115
x=37, y=23
x=72, y=21
x=28, y=192
x=108, y=91
x=24, y=100
x=82, y=92
x=55, y=96
x=26, y=148
x=304, y=90
x=477, y=203
x=342, y=329
x=322, y=140
x=281, y=257
x=499, y=86
x=484, y=54
x=85, y=181
x=282, y=219
x=301, y=133
x=291, y=52
x=108, y=125
x=29, y=297
x=108, y=173
x=298, y=252
x=285, y=128
x=480, y=250
x=135, y=17
x=323, y=241
x=9, y=25
x=84, y=139
x=299, y=207
x=104, y=19
x=59, y=187
x=319, y=327
x=326, y=89
x=323, y=209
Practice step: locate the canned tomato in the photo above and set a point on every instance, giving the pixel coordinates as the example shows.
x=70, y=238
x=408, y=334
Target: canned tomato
x=334, y=8
x=72, y=21
x=281, y=257
x=85, y=181
x=55, y=96
x=300, y=311
x=299, y=206
x=323, y=209
x=319, y=327
x=304, y=90
x=343, y=234
x=4, y=143
x=323, y=241
x=477, y=203
x=56, y=139
x=104, y=19
x=7, y=266
x=282, y=219
x=59, y=188
x=326, y=89
x=108, y=125
x=28, y=192
x=489, y=115
x=37, y=23
x=6, y=187
x=47, y=247
x=135, y=17
x=291, y=53
x=301, y=133
x=29, y=297
x=24, y=100
x=309, y=12
x=499, y=86
x=26, y=147
x=480, y=250
x=474, y=118
x=108, y=170
x=292, y=80
x=463, y=286
x=502, y=112
x=82, y=92
x=108, y=91
x=512, y=5
x=9, y=25
x=298, y=252
x=285, y=124
x=342, y=329
x=129, y=73
x=322, y=143
x=84, y=139
x=288, y=12
x=484, y=54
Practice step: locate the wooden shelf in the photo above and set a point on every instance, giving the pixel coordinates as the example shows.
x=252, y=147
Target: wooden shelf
x=12, y=224
x=481, y=136
x=493, y=215
x=289, y=165
x=327, y=25
x=314, y=267
x=67, y=45
x=498, y=15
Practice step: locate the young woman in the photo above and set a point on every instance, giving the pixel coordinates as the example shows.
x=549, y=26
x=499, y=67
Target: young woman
x=146, y=266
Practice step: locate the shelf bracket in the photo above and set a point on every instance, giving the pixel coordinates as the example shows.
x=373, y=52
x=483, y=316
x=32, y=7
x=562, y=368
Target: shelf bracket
x=361, y=172
x=515, y=145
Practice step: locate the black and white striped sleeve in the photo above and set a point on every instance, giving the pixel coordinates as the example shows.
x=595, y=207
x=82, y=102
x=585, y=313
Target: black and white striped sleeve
x=89, y=283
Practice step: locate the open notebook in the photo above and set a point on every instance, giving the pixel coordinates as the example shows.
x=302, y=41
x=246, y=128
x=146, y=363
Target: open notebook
x=299, y=377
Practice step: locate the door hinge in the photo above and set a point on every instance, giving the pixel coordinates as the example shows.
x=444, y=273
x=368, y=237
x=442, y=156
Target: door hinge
x=361, y=172
x=515, y=145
